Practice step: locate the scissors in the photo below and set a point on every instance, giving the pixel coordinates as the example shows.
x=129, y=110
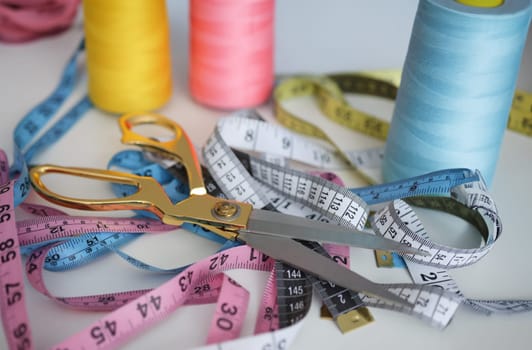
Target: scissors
x=270, y=232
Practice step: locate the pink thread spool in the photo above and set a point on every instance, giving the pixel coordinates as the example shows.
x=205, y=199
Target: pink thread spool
x=231, y=52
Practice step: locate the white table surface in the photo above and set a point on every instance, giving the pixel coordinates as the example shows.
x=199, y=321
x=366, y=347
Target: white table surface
x=346, y=36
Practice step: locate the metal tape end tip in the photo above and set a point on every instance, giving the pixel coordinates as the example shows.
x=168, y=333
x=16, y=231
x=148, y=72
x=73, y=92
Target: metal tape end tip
x=354, y=319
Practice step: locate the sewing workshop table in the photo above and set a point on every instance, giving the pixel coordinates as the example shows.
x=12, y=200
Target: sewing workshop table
x=353, y=35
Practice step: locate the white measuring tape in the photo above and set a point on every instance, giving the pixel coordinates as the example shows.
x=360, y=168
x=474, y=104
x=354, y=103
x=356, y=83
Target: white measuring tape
x=312, y=196
x=476, y=204
x=245, y=132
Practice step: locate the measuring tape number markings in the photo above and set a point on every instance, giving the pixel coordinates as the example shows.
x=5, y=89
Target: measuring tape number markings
x=465, y=191
x=433, y=306
x=49, y=230
x=285, y=183
x=14, y=314
x=293, y=288
x=329, y=94
x=12, y=295
x=417, y=293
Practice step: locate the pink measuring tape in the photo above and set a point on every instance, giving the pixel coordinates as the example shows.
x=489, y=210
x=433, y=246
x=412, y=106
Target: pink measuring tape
x=200, y=283
x=128, y=320
x=14, y=314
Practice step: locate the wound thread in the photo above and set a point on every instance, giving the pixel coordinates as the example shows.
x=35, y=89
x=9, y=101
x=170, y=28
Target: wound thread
x=231, y=52
x=128, y=54
x=457, y=87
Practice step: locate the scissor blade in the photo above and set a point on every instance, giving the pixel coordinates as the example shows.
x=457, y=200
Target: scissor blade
x=276, y=224
x=294, y=253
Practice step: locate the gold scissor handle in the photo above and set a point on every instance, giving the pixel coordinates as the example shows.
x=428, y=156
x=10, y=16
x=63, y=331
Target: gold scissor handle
x=149, y=196
x=221, y=216
x=180, y=148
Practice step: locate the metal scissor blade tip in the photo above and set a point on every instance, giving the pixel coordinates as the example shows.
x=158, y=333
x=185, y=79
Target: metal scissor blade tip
x=295, y=254
x=276, y=224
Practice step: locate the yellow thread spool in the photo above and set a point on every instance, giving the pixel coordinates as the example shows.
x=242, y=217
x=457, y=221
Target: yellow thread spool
x=481, y=3
x=128, y=54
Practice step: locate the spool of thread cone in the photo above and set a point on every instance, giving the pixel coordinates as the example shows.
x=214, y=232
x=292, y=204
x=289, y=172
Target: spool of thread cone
x=128, y=54
x=231, y=52
x=457, y=87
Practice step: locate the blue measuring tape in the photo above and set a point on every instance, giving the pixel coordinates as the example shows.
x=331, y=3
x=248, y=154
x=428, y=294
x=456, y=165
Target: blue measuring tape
x=35, y=120
x=81, y=250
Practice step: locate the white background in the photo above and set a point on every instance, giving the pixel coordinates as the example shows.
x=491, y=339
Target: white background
x=344, y=35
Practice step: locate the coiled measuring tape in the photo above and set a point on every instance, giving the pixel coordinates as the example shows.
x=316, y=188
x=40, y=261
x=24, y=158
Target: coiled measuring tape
x=467, y=198
x=329, y=93
x=294, y=289
x=293, y=285
x=315, y=197
x=97, y=332
x=350, y=216
x=443, y=306
x=430, y=310
x=231, y=299
x=56, y=229
x=434, y=272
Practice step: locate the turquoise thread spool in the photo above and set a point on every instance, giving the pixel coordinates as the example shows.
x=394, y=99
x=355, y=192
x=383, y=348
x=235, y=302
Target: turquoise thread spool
x=457, y=86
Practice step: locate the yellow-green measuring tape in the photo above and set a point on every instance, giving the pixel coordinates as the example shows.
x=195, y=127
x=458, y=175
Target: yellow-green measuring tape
x=329, y=92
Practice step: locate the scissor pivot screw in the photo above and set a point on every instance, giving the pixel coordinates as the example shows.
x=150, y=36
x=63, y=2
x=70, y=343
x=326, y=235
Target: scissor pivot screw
x=226, y=210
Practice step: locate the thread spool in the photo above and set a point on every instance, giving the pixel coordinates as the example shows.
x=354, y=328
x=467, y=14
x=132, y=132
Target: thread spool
x=457, y=86
x=231, y=52
x=128, y=54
